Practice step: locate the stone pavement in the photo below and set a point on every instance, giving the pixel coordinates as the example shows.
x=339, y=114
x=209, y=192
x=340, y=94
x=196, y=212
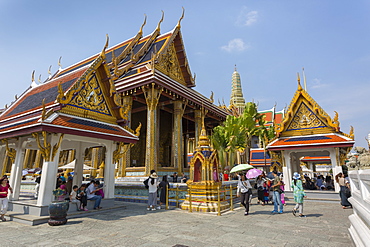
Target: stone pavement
x=132, y=225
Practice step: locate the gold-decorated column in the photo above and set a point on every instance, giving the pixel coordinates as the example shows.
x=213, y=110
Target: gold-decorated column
x=125, y=160
x=177, y=148
x=152, y=95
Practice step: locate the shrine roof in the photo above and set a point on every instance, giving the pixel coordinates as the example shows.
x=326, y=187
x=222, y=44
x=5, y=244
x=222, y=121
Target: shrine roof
x=62, y=123
x=31, y=99
x=296, y=142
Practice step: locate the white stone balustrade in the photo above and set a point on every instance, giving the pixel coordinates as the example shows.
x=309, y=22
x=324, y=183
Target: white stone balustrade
x=360, y=200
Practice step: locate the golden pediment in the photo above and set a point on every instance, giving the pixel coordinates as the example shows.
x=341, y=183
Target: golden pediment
x=304, y=118
x=168, y=64
x=91, y=97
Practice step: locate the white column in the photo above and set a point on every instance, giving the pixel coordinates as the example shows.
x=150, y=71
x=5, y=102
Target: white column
x=49, y=176
x=335, y=166
x=78, y=171
x=109, y=171
x=16, y=172
x=287, y=170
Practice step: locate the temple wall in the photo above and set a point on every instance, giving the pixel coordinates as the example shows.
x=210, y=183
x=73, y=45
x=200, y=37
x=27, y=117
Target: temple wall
x=360, y=200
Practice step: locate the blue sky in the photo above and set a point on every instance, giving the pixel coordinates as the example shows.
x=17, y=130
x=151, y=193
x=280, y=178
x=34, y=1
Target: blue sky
x=268, y=40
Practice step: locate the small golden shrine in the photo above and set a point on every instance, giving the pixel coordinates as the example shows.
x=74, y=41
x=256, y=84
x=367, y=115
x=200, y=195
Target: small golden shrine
x=204, y=178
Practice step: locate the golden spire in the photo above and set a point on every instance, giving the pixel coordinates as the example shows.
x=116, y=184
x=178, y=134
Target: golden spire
x=299, y=82
x=39, y=80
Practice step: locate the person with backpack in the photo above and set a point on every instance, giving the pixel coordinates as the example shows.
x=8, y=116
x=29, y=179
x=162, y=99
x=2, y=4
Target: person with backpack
x=152, y=187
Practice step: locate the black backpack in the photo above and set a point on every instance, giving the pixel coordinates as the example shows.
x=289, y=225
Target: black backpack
x=146, y=181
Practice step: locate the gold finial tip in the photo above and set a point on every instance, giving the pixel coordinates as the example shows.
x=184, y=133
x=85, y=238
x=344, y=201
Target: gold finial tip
x=182, y=17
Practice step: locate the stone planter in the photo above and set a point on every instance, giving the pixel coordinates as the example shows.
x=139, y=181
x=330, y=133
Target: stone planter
x=58, y=213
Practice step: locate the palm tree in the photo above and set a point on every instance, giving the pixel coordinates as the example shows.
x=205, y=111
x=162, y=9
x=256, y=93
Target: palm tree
x=251, y=120
x=228, y=138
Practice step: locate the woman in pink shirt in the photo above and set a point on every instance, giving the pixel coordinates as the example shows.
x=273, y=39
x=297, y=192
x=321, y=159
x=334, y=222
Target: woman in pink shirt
x=4, y=187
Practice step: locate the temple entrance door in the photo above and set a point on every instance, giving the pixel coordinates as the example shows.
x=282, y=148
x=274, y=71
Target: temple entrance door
x=197, y=171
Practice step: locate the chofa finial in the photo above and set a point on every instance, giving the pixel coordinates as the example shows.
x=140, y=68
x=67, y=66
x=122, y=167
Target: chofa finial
x=59, y=63
x=182, y=17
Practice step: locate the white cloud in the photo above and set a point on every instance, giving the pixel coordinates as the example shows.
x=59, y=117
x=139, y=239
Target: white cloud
x=317, y=84
x=235, y=45
x=246, y=17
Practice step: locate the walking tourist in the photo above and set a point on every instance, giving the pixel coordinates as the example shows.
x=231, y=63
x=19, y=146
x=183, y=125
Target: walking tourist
x=90, y=192
x=153, y=186
x=163, y=185
x=344, y=190
x=282, y=194
x=260, y=182
x=244, y=190
x=298, y=194
x=82, y=197
x=4, y=188
x=278, y=205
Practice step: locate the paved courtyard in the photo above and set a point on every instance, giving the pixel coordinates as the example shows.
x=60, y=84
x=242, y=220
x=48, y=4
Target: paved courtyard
x=132, y=225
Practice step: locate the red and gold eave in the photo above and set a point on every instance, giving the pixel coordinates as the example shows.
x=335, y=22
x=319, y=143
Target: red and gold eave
x=310, y=141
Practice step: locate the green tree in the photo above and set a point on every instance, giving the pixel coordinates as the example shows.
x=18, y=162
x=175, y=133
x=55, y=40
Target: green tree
x=252, y=122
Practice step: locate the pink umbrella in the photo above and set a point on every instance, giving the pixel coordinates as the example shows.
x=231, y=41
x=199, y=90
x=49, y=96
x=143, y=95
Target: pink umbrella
x=252, y=173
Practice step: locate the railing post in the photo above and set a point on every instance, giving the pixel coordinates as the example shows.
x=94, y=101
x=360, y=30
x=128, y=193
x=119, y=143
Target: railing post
x=231, y=198
x=190, y=209
x=167, y=193
x=177, y=198
x=218, y=206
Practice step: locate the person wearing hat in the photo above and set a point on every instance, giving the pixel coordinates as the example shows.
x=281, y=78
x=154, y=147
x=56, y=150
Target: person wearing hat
x=153, y=186
x=298, y=194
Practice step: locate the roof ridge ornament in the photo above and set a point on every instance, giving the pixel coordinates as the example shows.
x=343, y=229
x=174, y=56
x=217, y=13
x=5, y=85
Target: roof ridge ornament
x=142, y=25
x=106, y=45
x=59, y=63
x=182, y=17
x=49, y=72
x=299, y=82
x=33, y=84
x=160, y=21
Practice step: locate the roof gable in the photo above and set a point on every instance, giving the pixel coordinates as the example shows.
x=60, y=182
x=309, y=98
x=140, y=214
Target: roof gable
x=305, y=117
x=90, y=96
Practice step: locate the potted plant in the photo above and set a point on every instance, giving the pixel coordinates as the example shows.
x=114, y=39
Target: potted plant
x=58, y=209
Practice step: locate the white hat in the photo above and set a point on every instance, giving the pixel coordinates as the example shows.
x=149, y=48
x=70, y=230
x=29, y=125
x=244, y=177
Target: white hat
x=296, y=175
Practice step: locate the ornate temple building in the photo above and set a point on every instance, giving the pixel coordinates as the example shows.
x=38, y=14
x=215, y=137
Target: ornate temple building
x=85, y=112
x=308, y=131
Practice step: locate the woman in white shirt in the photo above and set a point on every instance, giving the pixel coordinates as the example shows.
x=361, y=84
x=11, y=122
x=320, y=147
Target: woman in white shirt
x=153, y=186
x=244, y=190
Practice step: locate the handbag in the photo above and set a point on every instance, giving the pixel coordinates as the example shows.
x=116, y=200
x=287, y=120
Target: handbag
x=280, y=190
x=347, y=192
